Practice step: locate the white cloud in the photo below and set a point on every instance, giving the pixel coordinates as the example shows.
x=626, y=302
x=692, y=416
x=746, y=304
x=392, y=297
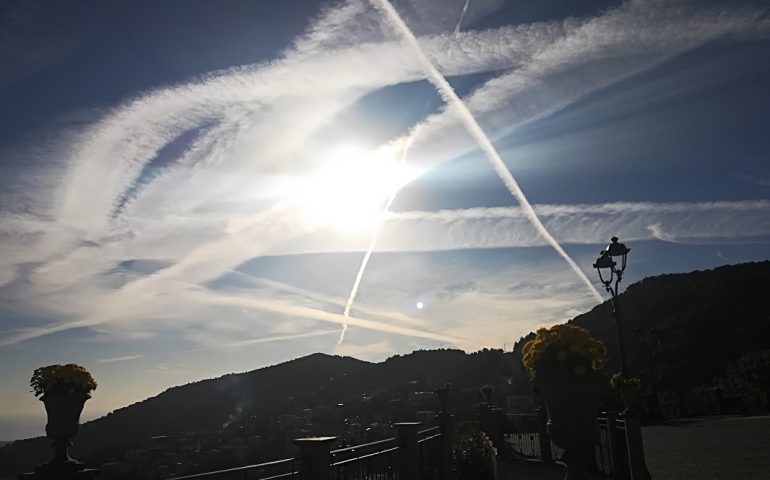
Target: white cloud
x=214, y=207
x=584, y=224
x=581, y=57
x=280, y=338
x=477, y=228
x=371, y=351
x=118, y=359
x=168, y=369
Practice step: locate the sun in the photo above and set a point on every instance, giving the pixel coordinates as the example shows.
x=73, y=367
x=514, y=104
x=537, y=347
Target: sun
x=351, y=187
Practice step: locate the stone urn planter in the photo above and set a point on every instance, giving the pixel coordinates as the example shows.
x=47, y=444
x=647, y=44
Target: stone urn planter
x=63, y=410
x=563, y=362
x=64, y=390
x=572, y=402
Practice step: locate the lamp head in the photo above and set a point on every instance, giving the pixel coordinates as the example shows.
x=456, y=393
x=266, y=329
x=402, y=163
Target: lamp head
x=617, y=249
x=604, y=261
x=605, y=264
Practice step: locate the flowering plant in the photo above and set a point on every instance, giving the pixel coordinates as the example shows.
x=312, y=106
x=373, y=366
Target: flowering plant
x=563, y=347
x=70, y=378
x=623, y=384
x=488, y=445
x=472, y=456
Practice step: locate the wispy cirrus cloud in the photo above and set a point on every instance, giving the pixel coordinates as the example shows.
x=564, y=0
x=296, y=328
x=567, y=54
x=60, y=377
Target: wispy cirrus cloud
x=594, y=223
x=577, y=224
x=118, y=359
x=199, y=214
x=369, y=351
x=584, y=57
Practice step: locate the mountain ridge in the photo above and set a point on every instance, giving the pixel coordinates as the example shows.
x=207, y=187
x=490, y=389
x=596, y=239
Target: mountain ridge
x=703, y=321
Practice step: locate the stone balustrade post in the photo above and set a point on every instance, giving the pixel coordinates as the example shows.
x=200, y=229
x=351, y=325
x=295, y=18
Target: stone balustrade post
x=485, y=418
x=613, y=440
x=316, y=456
x=636, y=461
x=446, y=424
x=546, y=455
x=498, y=431
x=408, y=450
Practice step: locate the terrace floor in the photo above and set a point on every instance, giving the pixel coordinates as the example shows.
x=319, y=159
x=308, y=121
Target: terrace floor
x=714, y=448
x=528, y=470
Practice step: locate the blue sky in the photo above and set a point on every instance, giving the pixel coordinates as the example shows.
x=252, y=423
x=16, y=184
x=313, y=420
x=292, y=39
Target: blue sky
x=189, y=189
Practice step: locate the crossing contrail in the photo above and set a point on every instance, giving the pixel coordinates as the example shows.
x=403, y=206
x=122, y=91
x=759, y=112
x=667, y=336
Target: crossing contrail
x=373, y=242
x=451, y=98
x=462, y=17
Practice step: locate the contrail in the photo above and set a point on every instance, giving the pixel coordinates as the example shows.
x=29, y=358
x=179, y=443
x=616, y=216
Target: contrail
x=453, y=100
x=462, y=17
x=292, y=310
x=372, y=242
x=241, y=343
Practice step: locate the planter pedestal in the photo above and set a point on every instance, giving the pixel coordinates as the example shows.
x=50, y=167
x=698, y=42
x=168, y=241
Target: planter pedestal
x=63, y=409
x=572, y=402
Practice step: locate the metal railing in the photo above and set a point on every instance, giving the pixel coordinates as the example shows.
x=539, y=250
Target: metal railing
x=428, y=433
x=370, y=461
x=619, y=449
x=289, y=468
x=413, y=454
x=524, y=438
x=604, y=459
x=429, y=447
x=526, y=445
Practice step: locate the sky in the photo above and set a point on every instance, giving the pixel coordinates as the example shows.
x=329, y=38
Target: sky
x=189, y=189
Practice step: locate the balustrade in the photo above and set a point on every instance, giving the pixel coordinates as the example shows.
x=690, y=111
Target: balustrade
x=619, y=449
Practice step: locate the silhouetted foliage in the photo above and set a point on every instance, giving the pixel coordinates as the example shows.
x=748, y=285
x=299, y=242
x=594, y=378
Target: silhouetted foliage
x=702, y=321
x=748, y=379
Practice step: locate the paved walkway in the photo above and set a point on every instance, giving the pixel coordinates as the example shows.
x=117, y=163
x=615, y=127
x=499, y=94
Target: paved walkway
x=715, y=448
x=528, y=470
x=531, y=470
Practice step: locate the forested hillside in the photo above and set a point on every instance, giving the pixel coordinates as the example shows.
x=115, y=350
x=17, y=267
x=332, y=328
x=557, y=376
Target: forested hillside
x=687, y=328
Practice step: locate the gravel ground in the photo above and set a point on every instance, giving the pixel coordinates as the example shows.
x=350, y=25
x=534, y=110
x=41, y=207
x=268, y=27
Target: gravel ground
x=717, y=448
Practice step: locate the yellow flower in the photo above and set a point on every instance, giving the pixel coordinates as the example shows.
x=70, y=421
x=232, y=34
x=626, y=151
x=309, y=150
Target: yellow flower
x=553, y=344
x=71, y=377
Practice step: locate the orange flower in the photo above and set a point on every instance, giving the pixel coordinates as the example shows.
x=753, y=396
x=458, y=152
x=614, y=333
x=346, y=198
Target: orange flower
x=560, y=343
x=71, y=376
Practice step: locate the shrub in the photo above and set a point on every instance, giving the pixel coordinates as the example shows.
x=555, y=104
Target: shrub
x=472, y=456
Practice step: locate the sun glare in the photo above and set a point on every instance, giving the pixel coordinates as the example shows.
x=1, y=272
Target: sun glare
x=350, y=188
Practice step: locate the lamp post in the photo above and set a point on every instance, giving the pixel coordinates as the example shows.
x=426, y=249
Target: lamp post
x=655, y=406
x=608, y=270
x=653, y=347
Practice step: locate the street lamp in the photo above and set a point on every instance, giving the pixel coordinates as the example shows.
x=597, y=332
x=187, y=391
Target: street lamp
x=653, y=342
x=607, y=267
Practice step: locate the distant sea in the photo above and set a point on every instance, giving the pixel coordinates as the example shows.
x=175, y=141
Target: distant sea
x=17, y=427
x=21, y=426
